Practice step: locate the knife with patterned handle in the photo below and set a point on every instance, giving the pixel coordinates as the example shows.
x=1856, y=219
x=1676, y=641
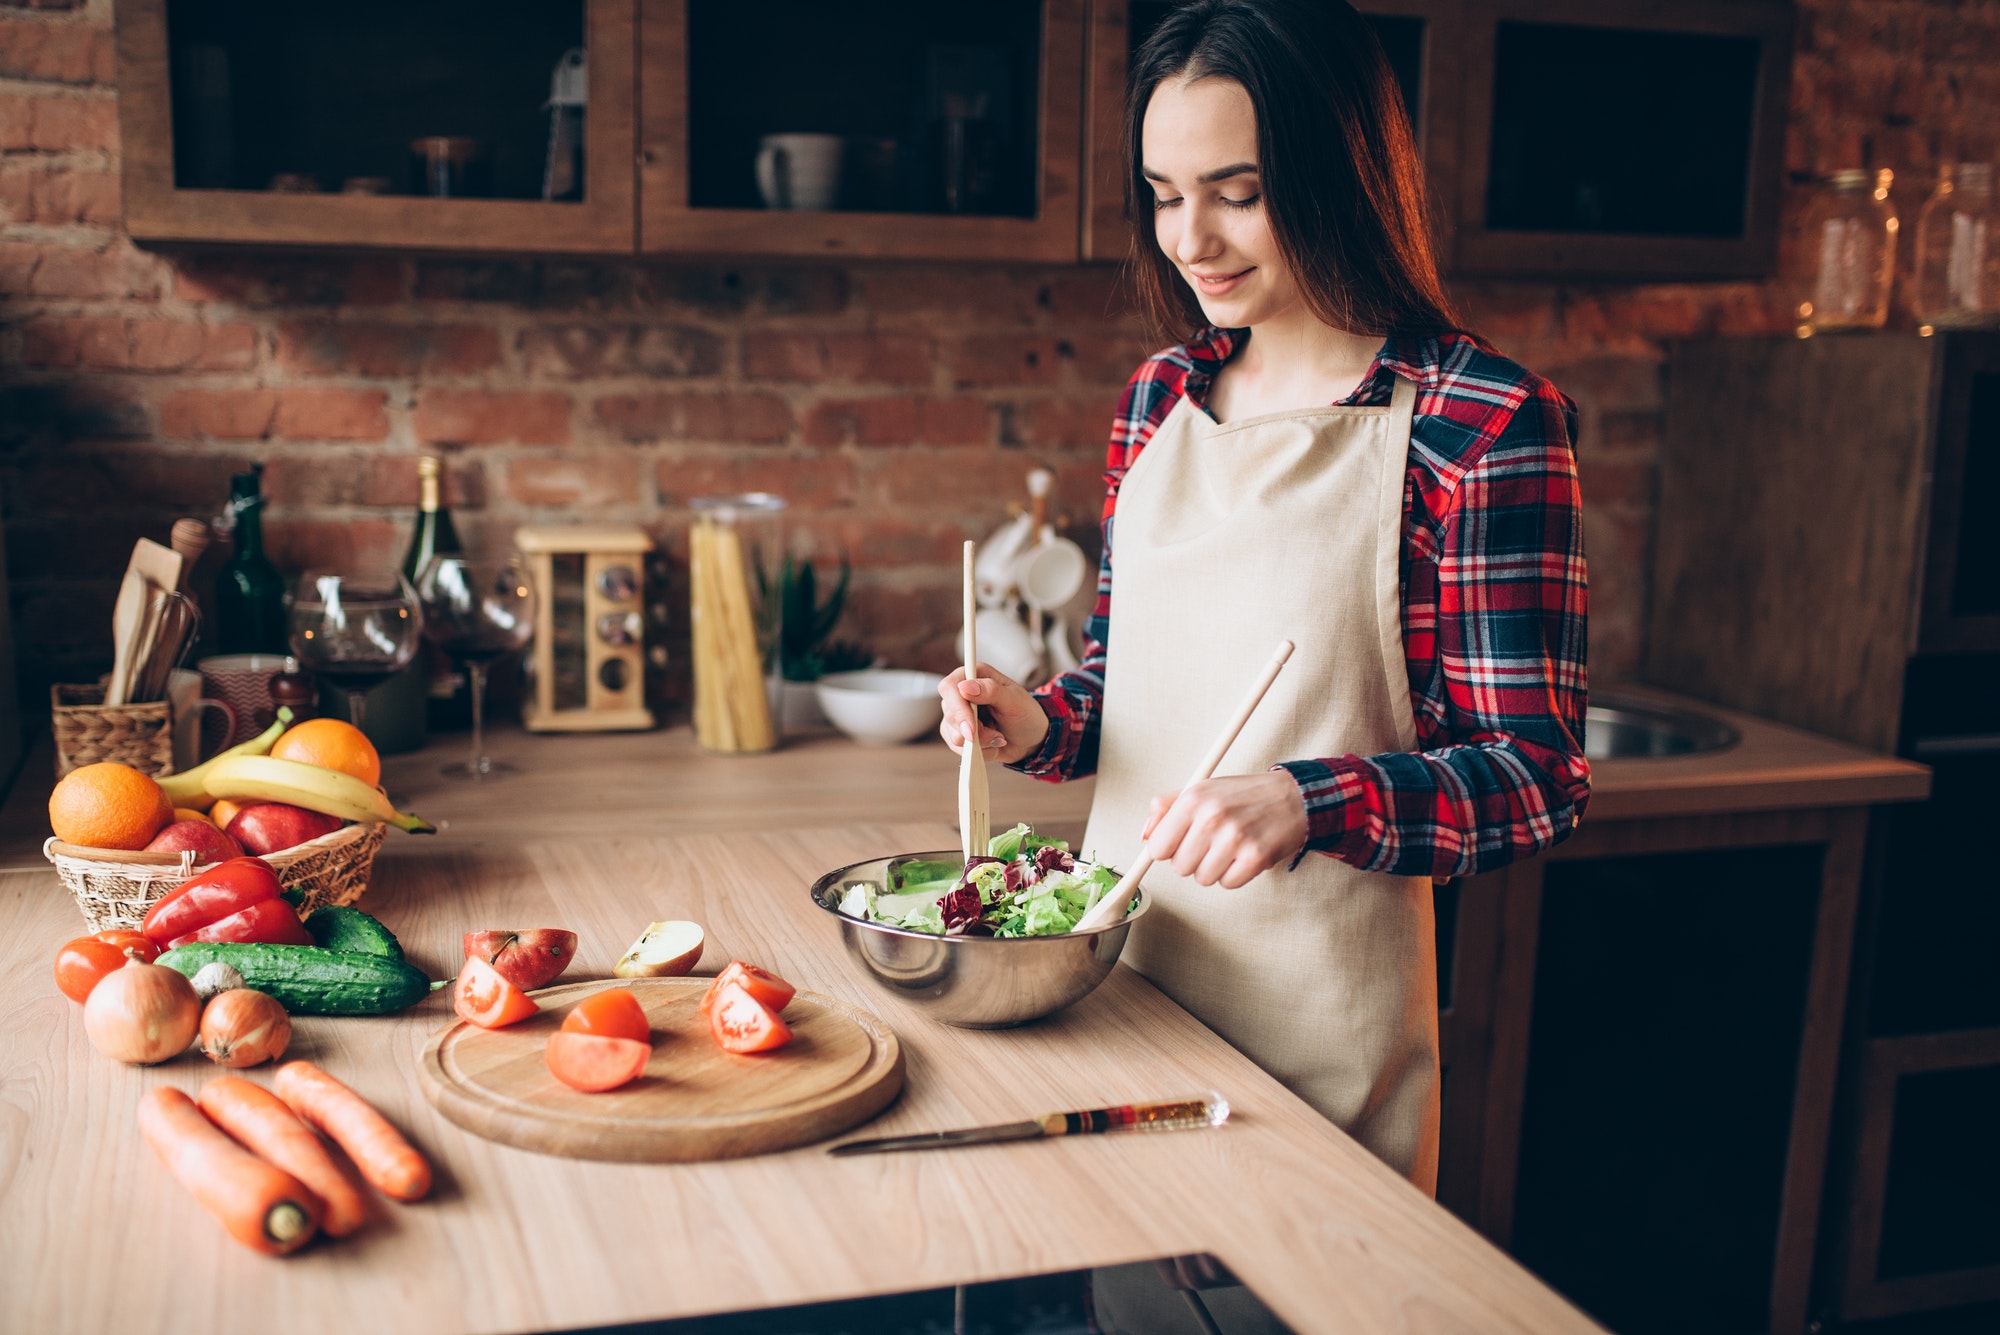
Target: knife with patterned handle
x=1209, y=1109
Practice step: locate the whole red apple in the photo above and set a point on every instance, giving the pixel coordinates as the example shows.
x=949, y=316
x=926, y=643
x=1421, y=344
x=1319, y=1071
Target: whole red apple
x=206, y=842
x=526, y=959
x=267, y=827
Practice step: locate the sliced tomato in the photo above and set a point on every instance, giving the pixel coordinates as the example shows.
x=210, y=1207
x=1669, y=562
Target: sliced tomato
x=81, y=965
x=767, y=987
x=741, y=1023
x=612, y=1013
x=594, y=1063
x=149, y=949
x=482, y=997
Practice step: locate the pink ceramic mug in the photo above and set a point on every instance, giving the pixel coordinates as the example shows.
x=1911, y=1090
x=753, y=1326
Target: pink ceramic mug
x=243, y=682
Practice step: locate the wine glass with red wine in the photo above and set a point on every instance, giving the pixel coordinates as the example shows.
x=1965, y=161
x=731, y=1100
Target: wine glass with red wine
x=477, y=611
x=355, y=631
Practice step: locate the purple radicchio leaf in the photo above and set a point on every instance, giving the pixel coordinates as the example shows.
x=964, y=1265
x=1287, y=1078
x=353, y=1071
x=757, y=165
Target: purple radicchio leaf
x=1050, y=858
x=961, y=907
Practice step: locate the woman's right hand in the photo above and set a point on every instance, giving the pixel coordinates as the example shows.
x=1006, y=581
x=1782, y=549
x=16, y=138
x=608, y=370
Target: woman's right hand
x=1014, y=726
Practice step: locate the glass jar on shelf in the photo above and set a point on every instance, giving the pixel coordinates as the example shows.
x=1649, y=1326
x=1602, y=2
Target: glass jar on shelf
x=1847, y=253
x=1958, y=251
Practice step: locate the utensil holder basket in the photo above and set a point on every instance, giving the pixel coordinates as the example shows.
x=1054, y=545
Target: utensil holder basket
x=88, y=731
x=114, y=889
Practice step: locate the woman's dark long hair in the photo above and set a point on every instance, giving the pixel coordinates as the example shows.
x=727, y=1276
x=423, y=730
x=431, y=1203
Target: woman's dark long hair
x=1341, y=180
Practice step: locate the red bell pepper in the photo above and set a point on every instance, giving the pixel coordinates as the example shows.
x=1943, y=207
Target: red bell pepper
x=223, y=891
x=270, y=921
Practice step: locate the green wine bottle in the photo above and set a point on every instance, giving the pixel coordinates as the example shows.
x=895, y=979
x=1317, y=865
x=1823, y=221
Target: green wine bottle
x=449, y=702
x=249, y=592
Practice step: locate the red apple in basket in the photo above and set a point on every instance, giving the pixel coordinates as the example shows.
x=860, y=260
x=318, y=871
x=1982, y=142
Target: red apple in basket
x=528, y=960
x=268, y=827
x=207, y=843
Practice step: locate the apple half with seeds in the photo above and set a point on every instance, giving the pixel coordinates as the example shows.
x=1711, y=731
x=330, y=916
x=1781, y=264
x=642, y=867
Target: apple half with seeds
x=664, y=950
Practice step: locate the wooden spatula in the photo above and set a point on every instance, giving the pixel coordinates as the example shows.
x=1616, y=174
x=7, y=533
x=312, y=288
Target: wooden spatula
x=1112, y=907
x=975, y=818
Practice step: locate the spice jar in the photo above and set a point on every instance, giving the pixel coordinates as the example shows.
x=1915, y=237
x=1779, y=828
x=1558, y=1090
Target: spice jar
x=733, y=551
x=1848, y=253
x=1958, y=251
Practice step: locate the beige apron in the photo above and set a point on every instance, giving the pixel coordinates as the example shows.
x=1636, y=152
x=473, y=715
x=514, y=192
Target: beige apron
x=1229, y=538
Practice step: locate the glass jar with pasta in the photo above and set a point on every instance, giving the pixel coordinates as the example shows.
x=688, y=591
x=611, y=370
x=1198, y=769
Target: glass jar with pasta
x=733, y=541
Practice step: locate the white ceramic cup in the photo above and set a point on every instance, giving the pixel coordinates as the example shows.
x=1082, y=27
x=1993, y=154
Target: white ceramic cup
x=184, y=697
x=799, y=171
x=1050, y=574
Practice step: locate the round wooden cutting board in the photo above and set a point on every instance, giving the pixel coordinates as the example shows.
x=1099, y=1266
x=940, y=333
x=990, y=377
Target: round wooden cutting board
x=695, y=1101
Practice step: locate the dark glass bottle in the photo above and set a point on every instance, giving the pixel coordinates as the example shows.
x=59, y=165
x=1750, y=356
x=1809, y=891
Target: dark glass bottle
x=249, y=593
x=450, y=703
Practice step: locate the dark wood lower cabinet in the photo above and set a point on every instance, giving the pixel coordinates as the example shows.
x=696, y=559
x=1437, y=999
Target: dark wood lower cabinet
x=1640, y=1041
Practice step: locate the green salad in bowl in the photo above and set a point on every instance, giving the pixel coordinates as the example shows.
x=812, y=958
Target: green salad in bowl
x=1025, y=885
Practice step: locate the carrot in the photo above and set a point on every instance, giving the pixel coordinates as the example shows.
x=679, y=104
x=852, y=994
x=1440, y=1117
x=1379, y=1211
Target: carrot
x=267, y=1127
x=264, y=1208
x=378, y=1149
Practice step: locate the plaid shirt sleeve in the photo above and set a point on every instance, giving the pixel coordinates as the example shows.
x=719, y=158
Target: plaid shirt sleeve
x=1494, y=613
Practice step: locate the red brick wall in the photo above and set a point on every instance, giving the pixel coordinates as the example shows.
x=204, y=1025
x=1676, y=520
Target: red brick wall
x=896, y=405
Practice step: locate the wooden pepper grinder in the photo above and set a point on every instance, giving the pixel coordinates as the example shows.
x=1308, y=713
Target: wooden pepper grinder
x=296, y=690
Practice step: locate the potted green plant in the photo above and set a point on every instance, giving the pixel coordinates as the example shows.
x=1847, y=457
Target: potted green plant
x=803, y=649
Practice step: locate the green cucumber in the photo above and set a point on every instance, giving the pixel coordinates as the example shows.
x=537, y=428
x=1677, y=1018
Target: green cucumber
x=307, y=980
x=337, y=927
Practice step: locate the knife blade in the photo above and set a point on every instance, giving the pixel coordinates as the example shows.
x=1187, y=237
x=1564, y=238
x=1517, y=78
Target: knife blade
x=1209, y=1109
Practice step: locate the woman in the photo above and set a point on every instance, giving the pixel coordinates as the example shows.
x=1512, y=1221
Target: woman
x=1326, y=459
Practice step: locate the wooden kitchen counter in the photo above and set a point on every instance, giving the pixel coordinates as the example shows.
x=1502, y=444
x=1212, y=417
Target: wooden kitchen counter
x=94, y=1235
x=614, y=785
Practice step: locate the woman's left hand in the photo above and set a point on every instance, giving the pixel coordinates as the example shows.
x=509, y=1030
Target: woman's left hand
x=1226, y=831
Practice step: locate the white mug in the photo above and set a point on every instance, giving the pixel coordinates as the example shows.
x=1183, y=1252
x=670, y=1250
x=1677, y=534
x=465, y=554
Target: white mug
x=1051, y=574
x=799, y=171
x=185, y=699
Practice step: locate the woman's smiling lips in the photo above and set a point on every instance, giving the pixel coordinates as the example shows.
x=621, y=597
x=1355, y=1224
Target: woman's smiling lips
x=1218, y=284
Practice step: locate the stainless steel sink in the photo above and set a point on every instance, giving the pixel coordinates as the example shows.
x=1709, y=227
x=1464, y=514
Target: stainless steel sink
x=1617, y=727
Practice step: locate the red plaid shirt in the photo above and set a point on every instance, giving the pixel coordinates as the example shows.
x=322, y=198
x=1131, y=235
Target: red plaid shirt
x=1493, y=617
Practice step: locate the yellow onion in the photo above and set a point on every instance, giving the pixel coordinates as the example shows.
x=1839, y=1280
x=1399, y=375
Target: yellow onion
x=142, y=1013
x=242, y=1026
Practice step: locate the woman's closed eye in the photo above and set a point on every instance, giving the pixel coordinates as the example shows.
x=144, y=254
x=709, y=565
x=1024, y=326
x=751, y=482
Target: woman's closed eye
x=1245, y=203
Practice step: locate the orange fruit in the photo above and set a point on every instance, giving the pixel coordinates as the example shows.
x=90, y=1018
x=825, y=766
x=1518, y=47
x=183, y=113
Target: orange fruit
x=223, y=812
x=189, y=813
x=108, y=805
x=331, y=744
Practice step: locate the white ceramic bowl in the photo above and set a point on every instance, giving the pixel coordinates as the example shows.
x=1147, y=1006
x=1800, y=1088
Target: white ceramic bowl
x=882, y=706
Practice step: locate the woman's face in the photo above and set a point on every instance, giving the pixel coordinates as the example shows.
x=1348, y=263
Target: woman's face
x=1198, y=148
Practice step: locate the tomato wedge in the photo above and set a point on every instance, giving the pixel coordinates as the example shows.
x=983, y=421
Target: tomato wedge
x=482, y=997
x=594, y=1063
x=612, y=1013
x=741, y=1023
x=767, y=987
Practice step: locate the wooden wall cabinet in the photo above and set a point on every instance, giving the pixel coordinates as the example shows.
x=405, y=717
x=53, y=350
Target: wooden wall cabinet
x=159, y=209
x=673, y=140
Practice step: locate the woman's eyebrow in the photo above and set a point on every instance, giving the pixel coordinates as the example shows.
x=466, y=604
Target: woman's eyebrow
x=1206, y=178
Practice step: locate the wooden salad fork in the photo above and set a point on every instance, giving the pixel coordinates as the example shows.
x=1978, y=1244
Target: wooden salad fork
x=975, y=816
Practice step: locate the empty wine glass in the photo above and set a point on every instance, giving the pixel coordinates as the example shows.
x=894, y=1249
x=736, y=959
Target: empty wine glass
x=356, y=631
x=477, y=611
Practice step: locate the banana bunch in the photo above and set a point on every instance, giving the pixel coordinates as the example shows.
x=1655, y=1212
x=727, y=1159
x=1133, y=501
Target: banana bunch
x=189, y=788
x=260, y=778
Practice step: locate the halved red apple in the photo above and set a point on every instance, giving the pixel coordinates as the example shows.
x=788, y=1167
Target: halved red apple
x=528, y=959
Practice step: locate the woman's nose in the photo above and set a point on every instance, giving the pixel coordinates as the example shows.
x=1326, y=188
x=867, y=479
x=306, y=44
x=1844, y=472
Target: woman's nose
x=1199, y=239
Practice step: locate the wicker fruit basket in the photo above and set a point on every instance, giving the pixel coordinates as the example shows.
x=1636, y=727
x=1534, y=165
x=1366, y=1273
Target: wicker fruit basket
x=114, y=889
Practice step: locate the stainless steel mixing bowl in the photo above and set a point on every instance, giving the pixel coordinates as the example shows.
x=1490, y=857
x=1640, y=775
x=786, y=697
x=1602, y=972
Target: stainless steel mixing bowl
x=974, y=982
